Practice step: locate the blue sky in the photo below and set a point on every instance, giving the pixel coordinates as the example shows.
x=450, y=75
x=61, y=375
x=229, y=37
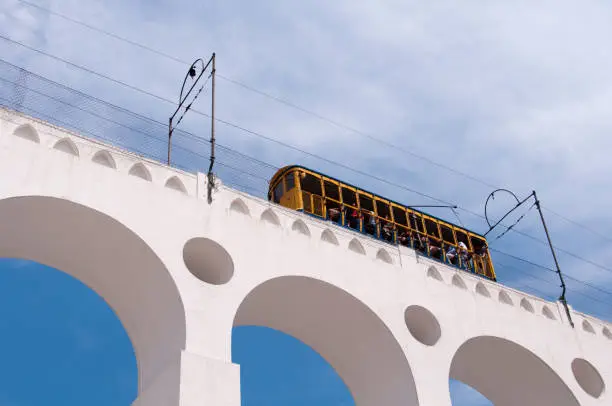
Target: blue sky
x=514, y=94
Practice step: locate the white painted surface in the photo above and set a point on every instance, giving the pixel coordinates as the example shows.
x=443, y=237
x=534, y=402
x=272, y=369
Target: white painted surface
x=120, y=223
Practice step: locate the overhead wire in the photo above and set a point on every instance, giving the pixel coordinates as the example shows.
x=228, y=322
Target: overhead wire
x=243, y=129
x=222, y=164
x=289, y=104
x=255, y=133
x=272, y=140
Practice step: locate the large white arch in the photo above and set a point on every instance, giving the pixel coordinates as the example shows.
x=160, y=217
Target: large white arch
x=342, y=329
x=133, y=281
x=509, y=374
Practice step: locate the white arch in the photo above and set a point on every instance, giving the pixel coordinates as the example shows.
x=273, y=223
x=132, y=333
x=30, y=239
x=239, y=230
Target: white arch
x=458, y=282
x=432, y=272
x=140, y=171
x=329, y=319
x=67, y=145
x=508, y=374
x=328, y=236
x=384, y=256
x=586, y=326
x=239, y=206
x=356, y=247
x=607, y=333
x=300, y=227
x=104, y=158
x=504, y=298
x=26, y=131
x=526, y=305
x=152, y=313
x=548, y=313
x=481, y=289
x=175, y=183
x=268, y=216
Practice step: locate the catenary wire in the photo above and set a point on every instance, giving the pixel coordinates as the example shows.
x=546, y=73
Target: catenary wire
x=292, y=105
x=292, y=147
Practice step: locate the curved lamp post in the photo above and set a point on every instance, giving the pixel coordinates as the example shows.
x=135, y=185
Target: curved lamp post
x=537, y=204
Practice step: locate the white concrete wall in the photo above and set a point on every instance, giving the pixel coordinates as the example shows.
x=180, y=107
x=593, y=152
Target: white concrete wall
x=329, y=287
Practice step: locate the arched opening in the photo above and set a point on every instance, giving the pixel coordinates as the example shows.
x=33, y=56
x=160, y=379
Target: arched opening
x=508, y=374
x=109, y=258
x=61, y=337
x=464, y=395
x=284, y=370
x=328, y=319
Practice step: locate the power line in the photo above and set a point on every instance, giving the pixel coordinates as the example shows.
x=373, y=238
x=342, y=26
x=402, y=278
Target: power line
x=286, y=145
x=242, y=186
x=278, y=142
x=293, y=105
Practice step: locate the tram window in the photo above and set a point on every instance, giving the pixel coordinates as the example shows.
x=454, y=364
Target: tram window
x=382, y=209
x=331, y=190
x=399, y=215
x=447, y=234
x=365, y=203
x=432, y=228
x=462, y=237
x=289, y=182
x=349, y=197
x=311, y=184
x=477, y=243
x=278, y=191
x=416, y=222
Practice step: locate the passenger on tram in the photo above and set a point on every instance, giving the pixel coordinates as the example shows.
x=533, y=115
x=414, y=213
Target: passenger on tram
x=403, y=238
x=434, y=248
x=451, y=254
x=420, y=242
x=334, y=214
x=370, y=226
x=353, y=217
x=387, y=229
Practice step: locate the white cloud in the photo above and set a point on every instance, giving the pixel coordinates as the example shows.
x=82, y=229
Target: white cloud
x=514, y=93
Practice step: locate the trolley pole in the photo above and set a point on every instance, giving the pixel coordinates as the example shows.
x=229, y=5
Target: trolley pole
x=563, y=288
x=191, y=73
x=211, y=178
x=552, y=250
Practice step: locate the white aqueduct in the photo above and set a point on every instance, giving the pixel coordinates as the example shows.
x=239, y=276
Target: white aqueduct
x=181, y=273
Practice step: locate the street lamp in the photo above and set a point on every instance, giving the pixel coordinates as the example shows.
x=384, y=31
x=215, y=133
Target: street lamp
x=537, y=204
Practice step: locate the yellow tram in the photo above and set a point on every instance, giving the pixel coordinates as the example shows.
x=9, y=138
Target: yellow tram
x=322, y=196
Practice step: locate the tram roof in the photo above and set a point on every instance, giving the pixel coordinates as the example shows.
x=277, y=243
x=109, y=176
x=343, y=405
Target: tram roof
x=285, y=169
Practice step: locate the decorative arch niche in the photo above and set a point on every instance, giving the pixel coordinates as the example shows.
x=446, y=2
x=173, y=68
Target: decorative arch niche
x=27, y=132
x=67, y=146
x=104, y=158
